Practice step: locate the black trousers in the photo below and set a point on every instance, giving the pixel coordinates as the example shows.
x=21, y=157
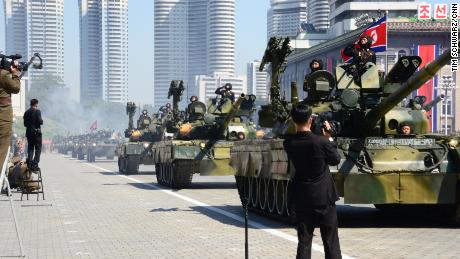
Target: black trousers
x=34, y=145
x=326, y=219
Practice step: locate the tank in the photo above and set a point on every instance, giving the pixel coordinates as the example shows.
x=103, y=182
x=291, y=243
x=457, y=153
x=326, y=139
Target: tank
x=101, y=144
x=137, y=150
x=203, y=141
x=379, y=165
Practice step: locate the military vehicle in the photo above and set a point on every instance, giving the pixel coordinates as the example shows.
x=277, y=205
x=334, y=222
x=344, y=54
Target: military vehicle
x=101, y=144
x=378, y=164
x=202, y=145
x=137, y=150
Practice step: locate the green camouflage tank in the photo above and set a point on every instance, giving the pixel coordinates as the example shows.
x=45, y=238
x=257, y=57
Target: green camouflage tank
x=203, y=141
x=379, y=165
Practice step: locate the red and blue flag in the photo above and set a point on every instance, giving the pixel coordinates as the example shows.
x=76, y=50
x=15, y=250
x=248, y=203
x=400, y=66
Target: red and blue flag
x=378, y=33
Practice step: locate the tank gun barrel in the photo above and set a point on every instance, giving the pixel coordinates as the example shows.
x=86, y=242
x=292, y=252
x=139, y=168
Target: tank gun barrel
x=414, y=82
x=431, y=104
x=228, y=118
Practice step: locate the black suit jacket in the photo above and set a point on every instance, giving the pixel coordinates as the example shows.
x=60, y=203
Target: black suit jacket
x=33, y=120
x=311, y=156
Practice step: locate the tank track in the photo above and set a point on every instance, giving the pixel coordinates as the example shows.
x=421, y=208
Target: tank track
x=176, y=175
x=268, y=197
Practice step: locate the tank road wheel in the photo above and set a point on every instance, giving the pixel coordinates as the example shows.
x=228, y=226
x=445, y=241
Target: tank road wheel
x=181, y=174
x=280, y=197
x=169, y=174
x=271, y=195
x=162, y=174
x=157, y=172
x=287, y=197
x=121, y=165
x=132, y=165
x=243, y=186
x=262, y=193
x=253, y=192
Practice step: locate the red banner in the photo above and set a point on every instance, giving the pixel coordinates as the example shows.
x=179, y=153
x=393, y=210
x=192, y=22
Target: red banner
x=428, y=54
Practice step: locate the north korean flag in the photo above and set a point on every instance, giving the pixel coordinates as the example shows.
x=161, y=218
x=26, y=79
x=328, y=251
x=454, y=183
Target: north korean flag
x=378, y=33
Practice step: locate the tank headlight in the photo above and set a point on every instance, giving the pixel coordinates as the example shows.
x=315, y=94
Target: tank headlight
x=453, y=143
x=94, y=144
x=202, y=145
x=233, y=134
x=146, y=145
x=241, y=136
x=84, y=145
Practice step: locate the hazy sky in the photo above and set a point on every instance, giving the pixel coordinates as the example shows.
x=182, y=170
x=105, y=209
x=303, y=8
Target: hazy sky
x=251, y=30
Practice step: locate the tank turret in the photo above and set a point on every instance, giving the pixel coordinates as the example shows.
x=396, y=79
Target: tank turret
x=412, y=84
x=374, y=108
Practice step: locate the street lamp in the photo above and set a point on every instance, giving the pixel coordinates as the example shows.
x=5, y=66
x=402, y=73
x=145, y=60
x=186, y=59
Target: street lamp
x=448, y=85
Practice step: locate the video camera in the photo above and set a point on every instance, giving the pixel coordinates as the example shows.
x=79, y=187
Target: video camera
x=10, y=61
x=318, y=124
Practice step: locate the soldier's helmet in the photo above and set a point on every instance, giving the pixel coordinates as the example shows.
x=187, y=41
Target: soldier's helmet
x=194, y=98
x=228, y=86
x=168, y=105
x=144, y=112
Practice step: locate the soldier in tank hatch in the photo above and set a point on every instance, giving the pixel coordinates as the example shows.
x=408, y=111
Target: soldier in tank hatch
x=362, y=54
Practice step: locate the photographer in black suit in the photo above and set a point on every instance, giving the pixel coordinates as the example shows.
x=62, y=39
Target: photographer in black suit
x=314, y=194
x=33, y=121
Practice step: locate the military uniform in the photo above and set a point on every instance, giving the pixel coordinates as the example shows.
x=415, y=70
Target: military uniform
x=361, y=56
x=9, y=84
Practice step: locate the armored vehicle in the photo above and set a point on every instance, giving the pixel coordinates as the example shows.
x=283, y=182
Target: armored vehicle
x=379, y=165
x=137, y=150
x=101, y=144
x=202, y=144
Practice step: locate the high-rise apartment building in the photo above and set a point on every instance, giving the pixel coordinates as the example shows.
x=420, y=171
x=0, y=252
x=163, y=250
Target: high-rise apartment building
x=285, y=16
x=15, y=27
x=90, y=50
x=192, y=38
x=45, y=35
x=257, y=81
x=221, y=36
x=170, y=46
x=206, y=85
x=318, y=14
x=104, y=50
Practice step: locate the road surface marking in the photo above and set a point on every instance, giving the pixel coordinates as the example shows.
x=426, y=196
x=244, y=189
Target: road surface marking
x=222, y=212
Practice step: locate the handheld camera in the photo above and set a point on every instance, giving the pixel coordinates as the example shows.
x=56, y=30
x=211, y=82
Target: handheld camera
x=12, y=61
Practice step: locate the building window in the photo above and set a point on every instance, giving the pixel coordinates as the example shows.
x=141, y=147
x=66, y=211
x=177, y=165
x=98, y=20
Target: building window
x=449, y=108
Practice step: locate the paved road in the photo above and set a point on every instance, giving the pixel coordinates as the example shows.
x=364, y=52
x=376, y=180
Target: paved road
x=92, y=212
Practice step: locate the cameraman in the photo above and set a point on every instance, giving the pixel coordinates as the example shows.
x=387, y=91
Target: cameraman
x=9, y=84
x=33, y=121
x=314, y=194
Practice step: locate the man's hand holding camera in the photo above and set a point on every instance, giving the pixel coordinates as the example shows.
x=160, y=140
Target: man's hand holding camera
x=326, y=129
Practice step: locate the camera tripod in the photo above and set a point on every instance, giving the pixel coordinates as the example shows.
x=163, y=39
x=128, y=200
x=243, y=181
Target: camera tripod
x=4, y=182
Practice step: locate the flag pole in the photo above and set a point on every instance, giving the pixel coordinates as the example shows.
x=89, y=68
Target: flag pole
x=386, y=47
